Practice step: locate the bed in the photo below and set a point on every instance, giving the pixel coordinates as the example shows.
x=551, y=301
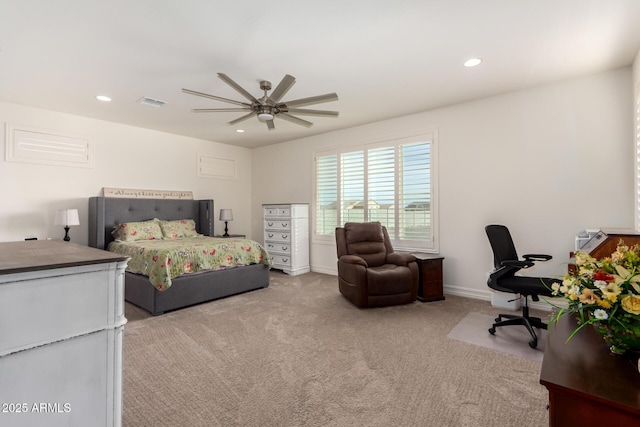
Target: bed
x=105, y=213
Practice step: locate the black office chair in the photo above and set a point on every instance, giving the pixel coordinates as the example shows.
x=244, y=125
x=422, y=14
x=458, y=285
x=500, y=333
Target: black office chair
x=503, y=279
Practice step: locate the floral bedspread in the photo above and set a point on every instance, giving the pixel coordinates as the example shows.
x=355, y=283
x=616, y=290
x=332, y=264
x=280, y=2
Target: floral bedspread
x=166, y=259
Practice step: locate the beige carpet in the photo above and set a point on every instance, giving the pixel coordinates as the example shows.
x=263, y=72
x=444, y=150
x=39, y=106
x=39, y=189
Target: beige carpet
x=512, y=340
x=299, y=354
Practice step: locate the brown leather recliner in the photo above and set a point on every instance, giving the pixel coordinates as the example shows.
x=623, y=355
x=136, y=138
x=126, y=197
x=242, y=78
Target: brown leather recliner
x=370, y=273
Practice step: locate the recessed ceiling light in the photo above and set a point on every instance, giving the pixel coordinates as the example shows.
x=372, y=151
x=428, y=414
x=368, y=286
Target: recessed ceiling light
x=240, y=130
x=472, y=62
x=103, y=98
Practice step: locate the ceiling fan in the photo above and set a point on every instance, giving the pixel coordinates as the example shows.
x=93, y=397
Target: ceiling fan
x=269, y=106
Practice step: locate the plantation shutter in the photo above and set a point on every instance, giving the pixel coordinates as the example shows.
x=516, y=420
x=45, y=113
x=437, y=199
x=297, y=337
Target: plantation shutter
x=326, y=194
x=415, y=192
x=391, y=182
x=352, y=187
x=381, y=187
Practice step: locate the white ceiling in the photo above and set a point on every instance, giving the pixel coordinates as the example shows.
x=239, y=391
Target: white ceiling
x=383, y=58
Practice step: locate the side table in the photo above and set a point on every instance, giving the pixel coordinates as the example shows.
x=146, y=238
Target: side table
x=430, y=283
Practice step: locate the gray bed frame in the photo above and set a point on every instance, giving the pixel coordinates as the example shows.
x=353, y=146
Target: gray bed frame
x=106, y=212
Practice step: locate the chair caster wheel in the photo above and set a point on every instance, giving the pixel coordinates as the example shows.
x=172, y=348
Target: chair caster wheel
x=492, y=331
x=533, y=343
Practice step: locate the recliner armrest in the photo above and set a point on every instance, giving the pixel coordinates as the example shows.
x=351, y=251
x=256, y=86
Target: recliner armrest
x=537, y=257
x=400, y=258
x=353, y=259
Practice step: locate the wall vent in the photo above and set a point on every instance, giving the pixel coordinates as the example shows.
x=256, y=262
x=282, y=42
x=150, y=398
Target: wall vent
x=152, y=102
x=216, y=167
x=32, y=145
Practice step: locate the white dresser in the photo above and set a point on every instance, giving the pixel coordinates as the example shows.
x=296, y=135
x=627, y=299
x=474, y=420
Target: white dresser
x=61, y=327
x=286, y=236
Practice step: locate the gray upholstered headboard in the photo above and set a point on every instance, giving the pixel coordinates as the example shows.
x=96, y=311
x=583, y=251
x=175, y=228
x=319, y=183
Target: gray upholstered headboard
x=107, y=212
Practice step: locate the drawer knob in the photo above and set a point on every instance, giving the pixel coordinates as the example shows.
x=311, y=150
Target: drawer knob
x=284, y=236
x=284, y=225
x=270, y=235
x=270, y=224
x=284, y=248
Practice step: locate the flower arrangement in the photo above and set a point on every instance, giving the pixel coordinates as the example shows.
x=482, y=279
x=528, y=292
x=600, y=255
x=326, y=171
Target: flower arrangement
x=606, y=293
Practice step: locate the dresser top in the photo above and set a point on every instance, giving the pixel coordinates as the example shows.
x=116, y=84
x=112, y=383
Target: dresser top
x=33, y=255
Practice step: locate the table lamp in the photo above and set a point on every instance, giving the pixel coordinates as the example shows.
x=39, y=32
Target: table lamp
x=226, y=215
x=67, y=217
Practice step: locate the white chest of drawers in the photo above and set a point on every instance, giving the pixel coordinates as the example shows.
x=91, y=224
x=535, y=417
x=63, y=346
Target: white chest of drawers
x=286, y=236
x=61, y=330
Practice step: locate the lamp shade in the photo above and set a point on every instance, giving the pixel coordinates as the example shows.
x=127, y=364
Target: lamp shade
x=67, y=217
x=226, y=215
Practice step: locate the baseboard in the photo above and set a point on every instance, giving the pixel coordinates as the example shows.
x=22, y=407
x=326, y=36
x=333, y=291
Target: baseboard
x=329, y=271
x=481, y=294
x=485, y=295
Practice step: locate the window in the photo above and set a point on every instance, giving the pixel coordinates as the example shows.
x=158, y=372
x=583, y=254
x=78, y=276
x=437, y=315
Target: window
x=391, y=182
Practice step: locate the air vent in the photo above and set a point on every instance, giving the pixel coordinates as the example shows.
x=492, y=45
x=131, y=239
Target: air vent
x=152, y=102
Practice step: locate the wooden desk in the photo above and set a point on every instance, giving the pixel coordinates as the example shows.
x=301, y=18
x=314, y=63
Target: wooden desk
x=588, y=385
x=430, y=284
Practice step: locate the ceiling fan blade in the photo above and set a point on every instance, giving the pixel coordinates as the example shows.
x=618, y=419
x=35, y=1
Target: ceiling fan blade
x=218, y=110
x=217, y=98
x=237, y=87
x=311, y=100
x=295, y=120
x=242, y=118
x=270, y=125
x=305, y=112
x=283, y=87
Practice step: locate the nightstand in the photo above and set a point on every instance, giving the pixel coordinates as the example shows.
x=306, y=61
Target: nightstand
x=230, y=236
x=430, y=284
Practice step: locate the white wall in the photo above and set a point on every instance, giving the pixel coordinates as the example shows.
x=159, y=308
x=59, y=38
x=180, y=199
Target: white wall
x=547, y=162
x=124, y=157
x=636, y=92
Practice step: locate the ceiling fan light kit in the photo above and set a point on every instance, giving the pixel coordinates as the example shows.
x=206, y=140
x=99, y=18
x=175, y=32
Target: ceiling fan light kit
x=269, y=107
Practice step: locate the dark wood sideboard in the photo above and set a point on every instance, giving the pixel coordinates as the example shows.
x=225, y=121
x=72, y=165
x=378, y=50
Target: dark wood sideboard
x=587, y=384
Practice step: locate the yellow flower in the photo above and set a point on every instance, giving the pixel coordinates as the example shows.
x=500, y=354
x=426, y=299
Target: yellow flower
x=583, y=258
x=631, y=304
x=618, y=255
x=611, y=292
x=604, y=304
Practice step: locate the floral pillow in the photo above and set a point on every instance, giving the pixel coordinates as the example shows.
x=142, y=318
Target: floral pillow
x=179, y=228
x=132, y=231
